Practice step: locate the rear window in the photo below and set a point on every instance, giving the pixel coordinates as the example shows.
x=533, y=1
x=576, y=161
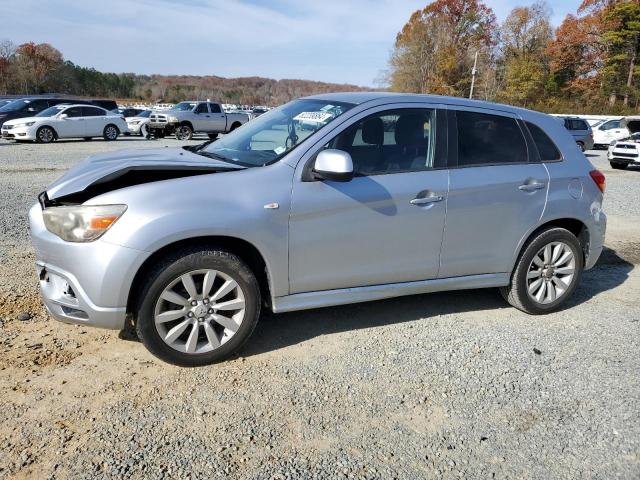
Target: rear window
x=485, y=139
x=576, y=124
x=546, y=148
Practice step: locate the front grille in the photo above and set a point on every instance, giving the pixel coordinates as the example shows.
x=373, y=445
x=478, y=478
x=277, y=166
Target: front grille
x=626, y=145
x=627, y=155
x=158, y=118
x=7, y=127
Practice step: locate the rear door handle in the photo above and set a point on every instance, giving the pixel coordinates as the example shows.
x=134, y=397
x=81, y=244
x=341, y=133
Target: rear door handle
x=426, y=200
x=531, y=187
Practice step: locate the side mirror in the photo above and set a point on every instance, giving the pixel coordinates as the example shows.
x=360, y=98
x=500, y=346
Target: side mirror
x=62, y=116
x=334, y=165
x=31, y=109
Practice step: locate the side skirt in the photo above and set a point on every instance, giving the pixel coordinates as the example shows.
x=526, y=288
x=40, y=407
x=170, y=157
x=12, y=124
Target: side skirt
x=343, y=296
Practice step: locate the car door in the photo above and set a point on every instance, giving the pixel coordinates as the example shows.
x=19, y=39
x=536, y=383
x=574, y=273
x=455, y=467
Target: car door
x=201, y=118
x=218, y=122
x=495, y=193
x=72, y=125
x=385, y=225
x=95, y=119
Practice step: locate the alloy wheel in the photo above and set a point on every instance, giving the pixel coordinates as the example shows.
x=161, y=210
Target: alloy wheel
x=45, y=135
x=111, y=133
x=551, y=272
x=199, y=311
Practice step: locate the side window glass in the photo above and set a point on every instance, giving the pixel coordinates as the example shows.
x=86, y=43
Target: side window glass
x=73, y=112
x=485, y=139
x=390, y=142
x=546, y=148
x=91, y=112
x=215, y=108
x=202, y=108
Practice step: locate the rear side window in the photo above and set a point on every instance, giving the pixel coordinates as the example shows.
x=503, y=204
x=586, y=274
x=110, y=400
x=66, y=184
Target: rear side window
x=485, y=139
x=92, y=112
x=215, y=108
x=610, y=125
x=546, y=148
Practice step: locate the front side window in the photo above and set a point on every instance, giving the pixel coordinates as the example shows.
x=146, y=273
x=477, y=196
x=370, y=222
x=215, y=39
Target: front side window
x=271, y=136
x=485, y=139
x=74, y=112
x=390, y=142
x=202, y=108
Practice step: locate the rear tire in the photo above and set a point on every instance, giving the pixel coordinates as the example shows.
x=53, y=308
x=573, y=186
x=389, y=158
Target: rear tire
x=619, y=165
x=581, y=145
x=541, y=282
x=212, y=136
x=234, y=126
x=110, y=133
x=45, y=135
x=194, y=325
x=86, y=139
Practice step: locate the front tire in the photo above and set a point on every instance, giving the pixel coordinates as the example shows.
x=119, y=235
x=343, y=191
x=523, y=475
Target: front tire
x=212, y=136
x=110, y=133
x=198, y=307
x=184, y=132
x=45, y=135
x=547, y=272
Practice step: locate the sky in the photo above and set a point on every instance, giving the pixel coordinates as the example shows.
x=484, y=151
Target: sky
x=340, y=41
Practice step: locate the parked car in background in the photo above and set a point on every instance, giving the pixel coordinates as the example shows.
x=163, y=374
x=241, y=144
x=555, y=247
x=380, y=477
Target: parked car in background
x=138, y=125
x=66, y=121
x=580, y=131
x=106, y=104
x=186, y=118
x=257, y=111
x=626, y=151
x=127, y=112
x=609, y=131
x=3, y=102
x=193, y=242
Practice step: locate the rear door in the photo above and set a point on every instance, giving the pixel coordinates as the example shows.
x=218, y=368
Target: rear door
x=95, y=119
x=218, y=118
x=385, y=225
x=495, y=195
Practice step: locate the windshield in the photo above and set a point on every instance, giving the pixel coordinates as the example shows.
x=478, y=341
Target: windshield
x=51, y=111
x=14, y=106
x=184, y=106
x=144, y=114
x=274, y=134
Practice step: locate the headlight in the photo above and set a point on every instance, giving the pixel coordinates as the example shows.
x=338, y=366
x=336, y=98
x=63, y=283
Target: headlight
x=135, y=122
x=26, y=124
x=172, y=119
x=81, y=223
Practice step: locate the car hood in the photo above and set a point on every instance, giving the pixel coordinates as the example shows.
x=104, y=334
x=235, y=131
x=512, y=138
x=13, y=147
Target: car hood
x=130, y=167
x=23, y=120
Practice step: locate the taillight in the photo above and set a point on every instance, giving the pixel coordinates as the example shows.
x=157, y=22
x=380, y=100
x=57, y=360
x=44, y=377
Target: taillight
x=598, y=177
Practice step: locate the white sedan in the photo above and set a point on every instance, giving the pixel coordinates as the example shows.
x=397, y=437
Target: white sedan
x=138, y=125
x=66, y=121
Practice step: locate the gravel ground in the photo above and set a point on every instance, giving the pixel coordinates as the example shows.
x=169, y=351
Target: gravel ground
x=444, y=385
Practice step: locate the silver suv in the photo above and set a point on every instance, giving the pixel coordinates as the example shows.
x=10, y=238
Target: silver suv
x=327, y=200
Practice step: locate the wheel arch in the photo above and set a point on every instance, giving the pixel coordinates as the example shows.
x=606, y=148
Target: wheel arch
x=573, y=225
x=245, y=250
x=235, y=125
x=186, y=123
x=55, y=132
x=112, y=125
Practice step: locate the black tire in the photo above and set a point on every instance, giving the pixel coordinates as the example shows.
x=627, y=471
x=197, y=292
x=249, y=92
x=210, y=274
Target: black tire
x=86, y=139
x=619, y=165
x=212, y=136
x=184, y=132
x=176, y=265
x=581, y=145
x=110, y=133
x=516, y=293
x=45, y=135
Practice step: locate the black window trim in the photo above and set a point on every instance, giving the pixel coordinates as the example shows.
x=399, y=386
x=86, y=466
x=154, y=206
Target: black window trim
x=453, y=137
x=535, y=147
x=439, y=150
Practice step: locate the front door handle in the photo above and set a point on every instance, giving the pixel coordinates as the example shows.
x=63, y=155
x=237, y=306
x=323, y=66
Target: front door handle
x=426, y=200
x=531, y=187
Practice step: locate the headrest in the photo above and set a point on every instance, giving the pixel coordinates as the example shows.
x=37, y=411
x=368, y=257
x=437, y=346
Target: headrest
x=410, y=130
x=373, y=131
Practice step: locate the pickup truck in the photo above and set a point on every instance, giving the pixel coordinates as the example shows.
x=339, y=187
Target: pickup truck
x=186, y=118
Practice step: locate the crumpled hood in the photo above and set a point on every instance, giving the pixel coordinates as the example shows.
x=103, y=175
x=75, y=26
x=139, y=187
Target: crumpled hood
x=105, y=167
x=632, y=124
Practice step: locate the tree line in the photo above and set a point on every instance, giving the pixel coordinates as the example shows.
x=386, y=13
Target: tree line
x=588, y=64
x=31, y=68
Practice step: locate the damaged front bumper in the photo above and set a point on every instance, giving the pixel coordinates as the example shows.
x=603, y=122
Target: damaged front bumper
x=83, y=283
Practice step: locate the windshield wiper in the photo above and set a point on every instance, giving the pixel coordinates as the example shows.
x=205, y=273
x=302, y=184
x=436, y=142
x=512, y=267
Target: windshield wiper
x=219, y=157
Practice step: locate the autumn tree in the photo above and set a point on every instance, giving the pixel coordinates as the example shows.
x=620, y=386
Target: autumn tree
x=434, y=51
x=34, y=63
x=7, y=52
x=525, y=34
